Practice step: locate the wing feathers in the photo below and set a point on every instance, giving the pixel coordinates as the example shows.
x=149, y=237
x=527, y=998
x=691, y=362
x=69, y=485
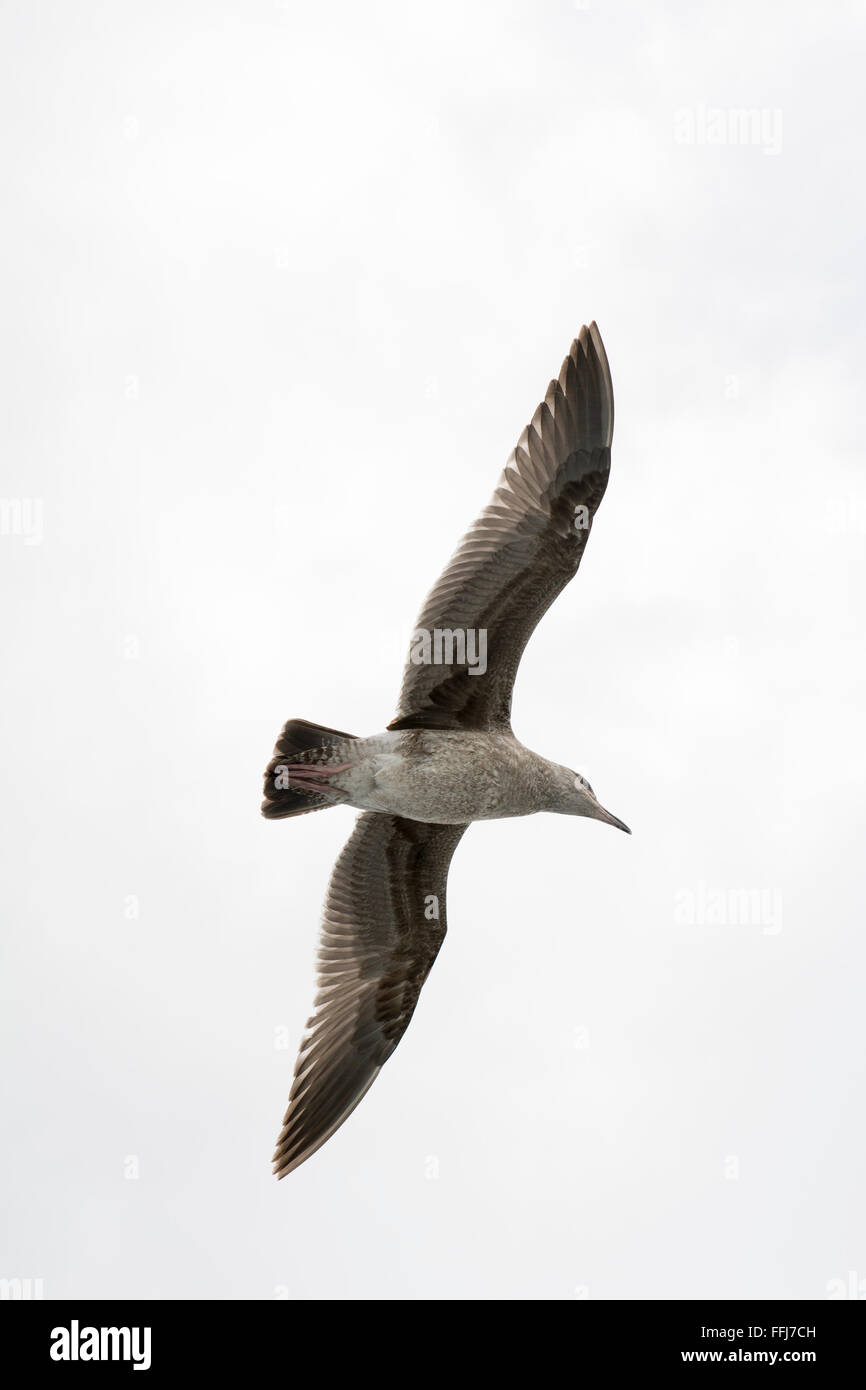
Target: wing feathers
x=522, y=550
x=377, y=946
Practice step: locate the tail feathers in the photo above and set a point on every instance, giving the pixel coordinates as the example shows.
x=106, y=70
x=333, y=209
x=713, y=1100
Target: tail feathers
x=296, y=780
x=299, y=736
x=283, y=801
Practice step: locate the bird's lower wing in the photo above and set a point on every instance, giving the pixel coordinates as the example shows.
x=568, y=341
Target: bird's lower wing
x=520, y=553
x=383, y=924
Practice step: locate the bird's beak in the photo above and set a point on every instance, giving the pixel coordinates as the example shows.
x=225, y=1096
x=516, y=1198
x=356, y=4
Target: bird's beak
x=602, y=814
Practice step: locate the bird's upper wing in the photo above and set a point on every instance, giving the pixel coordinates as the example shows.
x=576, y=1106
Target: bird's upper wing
x=383, y=924
x=520, y=553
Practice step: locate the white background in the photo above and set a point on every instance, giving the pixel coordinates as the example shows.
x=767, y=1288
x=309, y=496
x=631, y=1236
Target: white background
x=282, y=284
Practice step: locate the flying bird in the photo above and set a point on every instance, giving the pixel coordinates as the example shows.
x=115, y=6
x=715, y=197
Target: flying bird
x=449, y=756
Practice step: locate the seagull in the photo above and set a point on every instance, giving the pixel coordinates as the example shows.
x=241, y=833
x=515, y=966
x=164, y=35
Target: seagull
x=449, y=756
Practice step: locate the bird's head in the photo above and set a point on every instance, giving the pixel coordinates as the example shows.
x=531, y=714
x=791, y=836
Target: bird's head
x=574, y=797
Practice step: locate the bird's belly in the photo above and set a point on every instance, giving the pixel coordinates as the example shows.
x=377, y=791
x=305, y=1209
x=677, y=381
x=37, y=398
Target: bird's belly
x=436, y=787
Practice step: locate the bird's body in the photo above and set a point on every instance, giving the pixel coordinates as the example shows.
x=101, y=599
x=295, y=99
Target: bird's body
x=445, y=776
x=449, y=777
x=448, y=758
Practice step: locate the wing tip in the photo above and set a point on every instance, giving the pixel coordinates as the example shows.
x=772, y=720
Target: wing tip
x=281, y=1169
x=295, y=1146
x=588, y=353
x=285, y=1161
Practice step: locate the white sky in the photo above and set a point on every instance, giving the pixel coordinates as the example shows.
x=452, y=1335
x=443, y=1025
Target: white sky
x=282, y=284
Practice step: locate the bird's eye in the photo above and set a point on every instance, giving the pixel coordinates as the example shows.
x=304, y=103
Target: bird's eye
x=582, y=784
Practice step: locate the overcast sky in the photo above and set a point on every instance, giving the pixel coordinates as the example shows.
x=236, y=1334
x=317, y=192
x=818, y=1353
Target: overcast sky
x=282, y=284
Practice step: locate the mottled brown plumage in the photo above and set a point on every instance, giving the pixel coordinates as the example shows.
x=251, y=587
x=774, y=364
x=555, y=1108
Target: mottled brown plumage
x=449, y=756
x=522, y=550
x=383, y=924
